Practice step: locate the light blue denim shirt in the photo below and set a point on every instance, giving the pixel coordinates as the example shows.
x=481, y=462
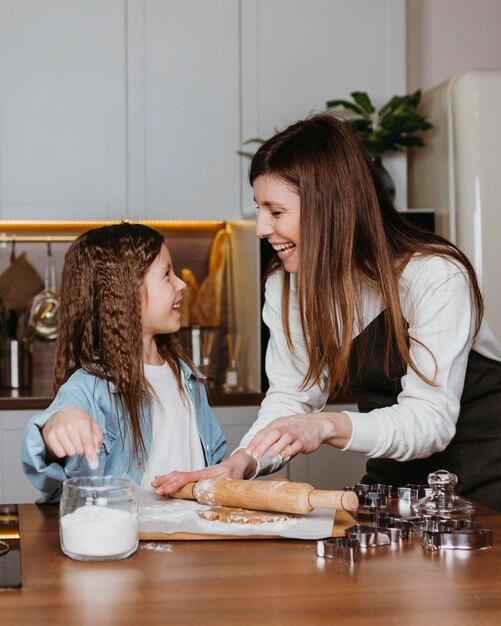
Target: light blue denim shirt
x=92, y=395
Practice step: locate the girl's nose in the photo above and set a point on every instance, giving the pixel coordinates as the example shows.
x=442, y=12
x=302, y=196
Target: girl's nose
x=263, y=225
x=181, y=285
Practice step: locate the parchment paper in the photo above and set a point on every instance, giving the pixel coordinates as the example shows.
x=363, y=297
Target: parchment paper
x=158, y=514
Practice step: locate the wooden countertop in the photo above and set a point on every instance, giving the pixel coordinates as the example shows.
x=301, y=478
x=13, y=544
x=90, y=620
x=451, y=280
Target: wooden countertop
x=253, y=582
x=39, y=396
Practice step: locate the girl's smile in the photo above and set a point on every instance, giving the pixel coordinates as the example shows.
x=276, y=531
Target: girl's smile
x=278, y=218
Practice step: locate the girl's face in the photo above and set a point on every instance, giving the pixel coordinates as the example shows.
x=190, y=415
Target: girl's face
x=162, y=297
x=278, y=218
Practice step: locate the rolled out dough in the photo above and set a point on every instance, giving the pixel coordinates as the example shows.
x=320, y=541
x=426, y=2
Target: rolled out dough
x=242, y=516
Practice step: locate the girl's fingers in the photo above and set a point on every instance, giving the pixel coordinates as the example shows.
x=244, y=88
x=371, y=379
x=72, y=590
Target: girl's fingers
x=63, y=442
x=170, y=483
x=56, y=447
x=92, y=441
x=81, y=438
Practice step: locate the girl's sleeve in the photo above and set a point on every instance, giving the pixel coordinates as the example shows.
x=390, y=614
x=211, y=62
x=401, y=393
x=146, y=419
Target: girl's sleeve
x=436, y=303
x=47, y=475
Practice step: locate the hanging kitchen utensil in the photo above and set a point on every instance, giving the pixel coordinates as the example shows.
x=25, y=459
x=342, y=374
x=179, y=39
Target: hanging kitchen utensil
x=44, y=309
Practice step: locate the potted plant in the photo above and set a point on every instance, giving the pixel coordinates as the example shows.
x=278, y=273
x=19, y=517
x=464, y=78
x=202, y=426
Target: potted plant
x=392, y=128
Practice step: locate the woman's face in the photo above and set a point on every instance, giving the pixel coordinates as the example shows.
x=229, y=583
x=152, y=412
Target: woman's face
x=278, y=218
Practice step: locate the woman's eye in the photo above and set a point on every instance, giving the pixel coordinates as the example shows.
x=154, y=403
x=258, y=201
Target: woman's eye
x=276, y=214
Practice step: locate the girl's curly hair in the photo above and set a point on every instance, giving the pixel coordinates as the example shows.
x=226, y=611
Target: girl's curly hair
x=100, y=326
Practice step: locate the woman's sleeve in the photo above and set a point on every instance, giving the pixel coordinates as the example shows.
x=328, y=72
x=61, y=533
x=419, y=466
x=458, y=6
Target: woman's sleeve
x=48, y=476
x=436, y=303
x=285, y=370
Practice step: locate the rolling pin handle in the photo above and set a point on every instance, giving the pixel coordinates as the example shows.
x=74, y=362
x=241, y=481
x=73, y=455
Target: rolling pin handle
x=320, y=499
x=186, y=492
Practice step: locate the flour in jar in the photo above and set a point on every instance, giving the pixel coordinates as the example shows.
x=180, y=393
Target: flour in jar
x=99, y=531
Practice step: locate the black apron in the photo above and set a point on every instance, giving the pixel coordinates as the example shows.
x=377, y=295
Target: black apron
x=474, y=454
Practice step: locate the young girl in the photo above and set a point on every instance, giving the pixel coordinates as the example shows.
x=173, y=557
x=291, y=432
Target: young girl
x=128, y=399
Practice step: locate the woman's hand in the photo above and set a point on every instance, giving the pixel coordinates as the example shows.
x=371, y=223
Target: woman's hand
x=239, y=465
x=72, y=431
x=286, y=436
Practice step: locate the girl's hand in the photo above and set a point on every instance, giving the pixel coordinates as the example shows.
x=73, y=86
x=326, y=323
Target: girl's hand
x=72, y=431
x=237, y=466
x=286, y=436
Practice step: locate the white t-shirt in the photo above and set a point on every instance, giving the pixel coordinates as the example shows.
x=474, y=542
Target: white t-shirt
x=175, y=441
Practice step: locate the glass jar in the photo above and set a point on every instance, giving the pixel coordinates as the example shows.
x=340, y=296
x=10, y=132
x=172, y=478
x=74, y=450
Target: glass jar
x=443, y=501
x=98, y=518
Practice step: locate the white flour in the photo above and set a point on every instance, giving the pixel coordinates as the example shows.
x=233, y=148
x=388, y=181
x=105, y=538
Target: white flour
x=99, y=531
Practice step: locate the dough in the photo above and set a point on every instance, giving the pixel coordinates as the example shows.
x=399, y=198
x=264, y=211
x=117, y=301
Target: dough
x=242, y=516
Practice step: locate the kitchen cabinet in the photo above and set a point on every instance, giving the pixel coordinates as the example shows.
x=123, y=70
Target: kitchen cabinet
x=184, y=107
x=113, y=109
x=14, y=485
x=62, y=113
x=137, y=107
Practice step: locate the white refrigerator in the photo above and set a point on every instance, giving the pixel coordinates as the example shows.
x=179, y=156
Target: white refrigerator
x=458, y=174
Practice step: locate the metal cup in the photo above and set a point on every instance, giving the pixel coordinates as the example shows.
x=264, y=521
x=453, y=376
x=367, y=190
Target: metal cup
x=15, y=363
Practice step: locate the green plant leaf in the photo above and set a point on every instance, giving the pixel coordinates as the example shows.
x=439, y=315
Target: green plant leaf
x=330, y=104
x=409, y=101
x=363, y=100
x=361, y=126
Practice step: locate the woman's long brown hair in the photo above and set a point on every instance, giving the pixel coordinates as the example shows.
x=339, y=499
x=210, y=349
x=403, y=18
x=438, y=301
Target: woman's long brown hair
x=100, y=326
x=350, y=234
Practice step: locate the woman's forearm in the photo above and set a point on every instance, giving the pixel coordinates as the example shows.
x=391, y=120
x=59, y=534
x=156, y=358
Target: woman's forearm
x=337, y=429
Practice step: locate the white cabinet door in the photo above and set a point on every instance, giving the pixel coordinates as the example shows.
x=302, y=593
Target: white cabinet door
x=297, y=54
x=183, y=60
x=15, y=487
x=62, y=109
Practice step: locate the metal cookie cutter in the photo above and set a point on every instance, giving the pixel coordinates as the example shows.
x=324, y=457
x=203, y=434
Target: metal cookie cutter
x=363, y=490
x=413, y=493
x=465, y=539
x=453, y=534
x=375, y=506
x=397, y=527
x=368, y=536
x=339, y=548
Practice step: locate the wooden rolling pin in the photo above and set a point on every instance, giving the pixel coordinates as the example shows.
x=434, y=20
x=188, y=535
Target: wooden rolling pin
x=267, y=495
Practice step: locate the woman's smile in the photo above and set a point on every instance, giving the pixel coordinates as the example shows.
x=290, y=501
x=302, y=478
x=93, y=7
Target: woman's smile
x=284, y=250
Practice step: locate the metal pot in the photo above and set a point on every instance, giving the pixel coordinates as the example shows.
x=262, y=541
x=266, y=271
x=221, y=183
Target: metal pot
x=43, y=315
x=44, y=308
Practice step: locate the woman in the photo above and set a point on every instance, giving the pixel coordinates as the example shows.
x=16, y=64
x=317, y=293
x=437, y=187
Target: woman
x=358, y=298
